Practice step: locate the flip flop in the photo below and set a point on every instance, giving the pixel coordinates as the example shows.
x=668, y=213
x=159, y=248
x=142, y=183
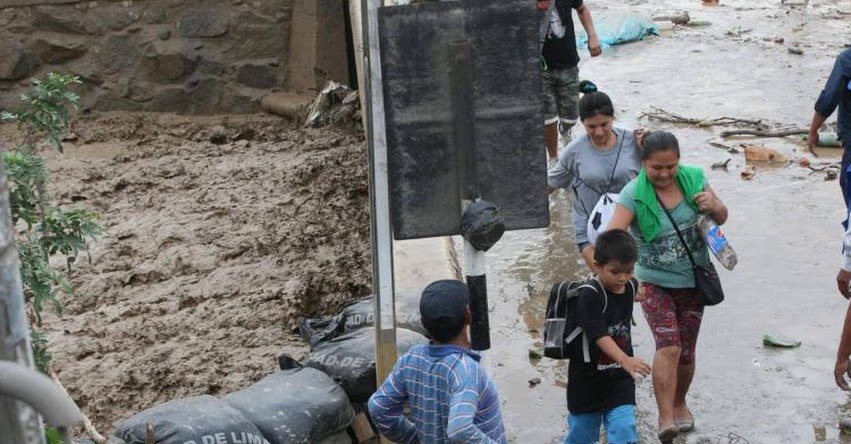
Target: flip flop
x=685, y=426
x=667, y=435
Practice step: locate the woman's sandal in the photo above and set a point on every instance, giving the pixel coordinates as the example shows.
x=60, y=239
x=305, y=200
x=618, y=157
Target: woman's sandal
x=667, y=435
x=685, y=425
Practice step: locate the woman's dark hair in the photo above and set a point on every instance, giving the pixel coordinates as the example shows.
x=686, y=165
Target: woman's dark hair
x=615, y=245
x=594, y=102
x=658, y=141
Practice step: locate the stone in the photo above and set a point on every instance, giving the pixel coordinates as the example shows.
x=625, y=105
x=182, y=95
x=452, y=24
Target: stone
x=211, y=67
x=101, y=20
x=164, y=34
x=118, y=53
x=15, y=63
x=206, y=96
x=16, y=21
x=203, y=23
x=242, y=104
x=59, y=19
x=258, y=41
x=57, y=48
x=259, y=76
x=167, y=66
x=155, y=16
x=172, y=100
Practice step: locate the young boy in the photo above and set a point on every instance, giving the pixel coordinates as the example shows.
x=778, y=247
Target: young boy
x=603, y=390
x=451, y=399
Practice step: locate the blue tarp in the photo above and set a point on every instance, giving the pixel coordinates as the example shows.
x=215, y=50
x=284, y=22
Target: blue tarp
x=618, y=29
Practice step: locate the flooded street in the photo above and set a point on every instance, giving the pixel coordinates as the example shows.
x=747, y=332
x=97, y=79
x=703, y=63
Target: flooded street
x=784, y=225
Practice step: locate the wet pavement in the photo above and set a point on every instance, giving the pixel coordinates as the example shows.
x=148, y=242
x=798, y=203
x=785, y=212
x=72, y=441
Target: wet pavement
x=784, y=225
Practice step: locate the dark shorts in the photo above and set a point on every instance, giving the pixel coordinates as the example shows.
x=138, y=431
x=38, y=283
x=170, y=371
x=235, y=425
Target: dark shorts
x=674, y=316
x=561, y=95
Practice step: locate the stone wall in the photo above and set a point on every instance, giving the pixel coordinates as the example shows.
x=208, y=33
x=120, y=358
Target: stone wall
x=183, y=56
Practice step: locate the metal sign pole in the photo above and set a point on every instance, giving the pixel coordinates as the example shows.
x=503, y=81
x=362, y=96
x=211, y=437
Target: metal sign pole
x=381, y=234
x=461, y=79
x=19, y=423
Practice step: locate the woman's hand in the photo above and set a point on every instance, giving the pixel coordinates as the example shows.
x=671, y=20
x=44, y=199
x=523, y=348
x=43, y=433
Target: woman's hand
x=641, y=294
x=707, y=202
x=639, y=136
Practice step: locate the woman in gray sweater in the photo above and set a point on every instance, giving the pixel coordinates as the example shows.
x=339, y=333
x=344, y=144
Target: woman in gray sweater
x=601, y=161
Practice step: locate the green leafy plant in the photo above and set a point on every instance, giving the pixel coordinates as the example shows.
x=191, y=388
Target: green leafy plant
x=45, y=231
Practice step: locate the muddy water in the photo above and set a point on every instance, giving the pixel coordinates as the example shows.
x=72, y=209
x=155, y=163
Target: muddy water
x=784, y=225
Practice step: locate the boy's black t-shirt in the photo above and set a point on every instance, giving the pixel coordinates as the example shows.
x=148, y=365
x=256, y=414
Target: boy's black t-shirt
x=559, y=50
x=601, y=384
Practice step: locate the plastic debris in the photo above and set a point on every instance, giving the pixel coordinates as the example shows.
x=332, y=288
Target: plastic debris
x=779, y=342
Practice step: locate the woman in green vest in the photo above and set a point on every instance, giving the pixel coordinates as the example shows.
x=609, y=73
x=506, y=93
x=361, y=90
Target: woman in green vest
x=667, y=294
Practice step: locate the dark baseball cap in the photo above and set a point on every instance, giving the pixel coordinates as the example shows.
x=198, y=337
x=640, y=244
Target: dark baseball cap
x=443, y=303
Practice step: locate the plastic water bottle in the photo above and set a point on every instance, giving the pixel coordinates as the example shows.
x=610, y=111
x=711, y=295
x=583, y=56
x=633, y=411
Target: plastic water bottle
x=717, y=243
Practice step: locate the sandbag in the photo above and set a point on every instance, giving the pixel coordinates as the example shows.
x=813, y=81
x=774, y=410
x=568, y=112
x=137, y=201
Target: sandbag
x=359, y=314
x=617, y=29
x=482, y=225
x=196, y=420
x=350, y=359
x=298, y=406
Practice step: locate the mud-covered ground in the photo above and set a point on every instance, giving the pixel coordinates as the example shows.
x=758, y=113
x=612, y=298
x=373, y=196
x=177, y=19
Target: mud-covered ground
x=220, y=233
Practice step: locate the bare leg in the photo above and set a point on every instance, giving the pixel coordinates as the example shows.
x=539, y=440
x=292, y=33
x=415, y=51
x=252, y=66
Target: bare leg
x=685, y=374
x=551, y=133
x=665, y=383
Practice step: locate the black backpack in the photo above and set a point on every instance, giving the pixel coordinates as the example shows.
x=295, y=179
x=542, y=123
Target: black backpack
x=560, y=326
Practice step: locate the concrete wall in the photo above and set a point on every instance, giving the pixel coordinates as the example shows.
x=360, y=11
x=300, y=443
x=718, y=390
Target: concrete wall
x=184, y=56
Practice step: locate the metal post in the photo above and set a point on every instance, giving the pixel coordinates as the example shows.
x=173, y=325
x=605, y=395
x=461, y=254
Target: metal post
x=19, y=423
x=461, y=78
x=381, y=234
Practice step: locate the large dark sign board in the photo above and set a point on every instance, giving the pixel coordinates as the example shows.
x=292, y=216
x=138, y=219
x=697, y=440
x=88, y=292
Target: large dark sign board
x=428, y=173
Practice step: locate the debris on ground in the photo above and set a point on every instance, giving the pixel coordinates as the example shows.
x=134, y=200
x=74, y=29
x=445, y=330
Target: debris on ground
x=536, y=353
x=826, y=139
x=765, y=133
x=662, y=115
x=698, y=23
x=748, y=173
x=678, y=18
x=795, y=50
x=534, y=381
x=335, y=103
x=755, y=153
x=721, y=165
x=779, y=342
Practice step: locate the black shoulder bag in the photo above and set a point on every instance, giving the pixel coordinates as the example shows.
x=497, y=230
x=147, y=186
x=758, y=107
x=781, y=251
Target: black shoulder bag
x=706, y=279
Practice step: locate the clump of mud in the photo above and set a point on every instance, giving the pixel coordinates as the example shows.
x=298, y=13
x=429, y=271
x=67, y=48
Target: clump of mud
x=220, y=233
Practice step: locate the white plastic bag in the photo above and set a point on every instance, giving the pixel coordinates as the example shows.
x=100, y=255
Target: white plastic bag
x=601, y=215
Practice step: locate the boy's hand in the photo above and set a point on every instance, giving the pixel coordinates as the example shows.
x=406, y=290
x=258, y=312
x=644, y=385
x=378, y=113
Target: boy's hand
x=840, y=370
x=594, y=46
x=636, y=367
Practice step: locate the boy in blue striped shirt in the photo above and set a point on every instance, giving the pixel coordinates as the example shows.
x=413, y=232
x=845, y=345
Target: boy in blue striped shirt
x=451, y=398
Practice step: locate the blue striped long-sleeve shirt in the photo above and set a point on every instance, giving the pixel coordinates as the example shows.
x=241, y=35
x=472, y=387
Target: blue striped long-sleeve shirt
x=451, y=399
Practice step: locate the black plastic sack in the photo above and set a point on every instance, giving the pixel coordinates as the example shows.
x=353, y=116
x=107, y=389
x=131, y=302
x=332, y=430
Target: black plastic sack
x=196, y=420
x=350, y=359
x=482, y=225
x=298, y=406
x=359, y=314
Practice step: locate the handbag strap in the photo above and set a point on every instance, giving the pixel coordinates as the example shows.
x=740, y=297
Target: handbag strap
x=677, y=229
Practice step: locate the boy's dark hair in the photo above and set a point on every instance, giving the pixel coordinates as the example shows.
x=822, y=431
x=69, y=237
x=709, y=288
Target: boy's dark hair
x=658, y=141
x=445, y=329
x=615, y=245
